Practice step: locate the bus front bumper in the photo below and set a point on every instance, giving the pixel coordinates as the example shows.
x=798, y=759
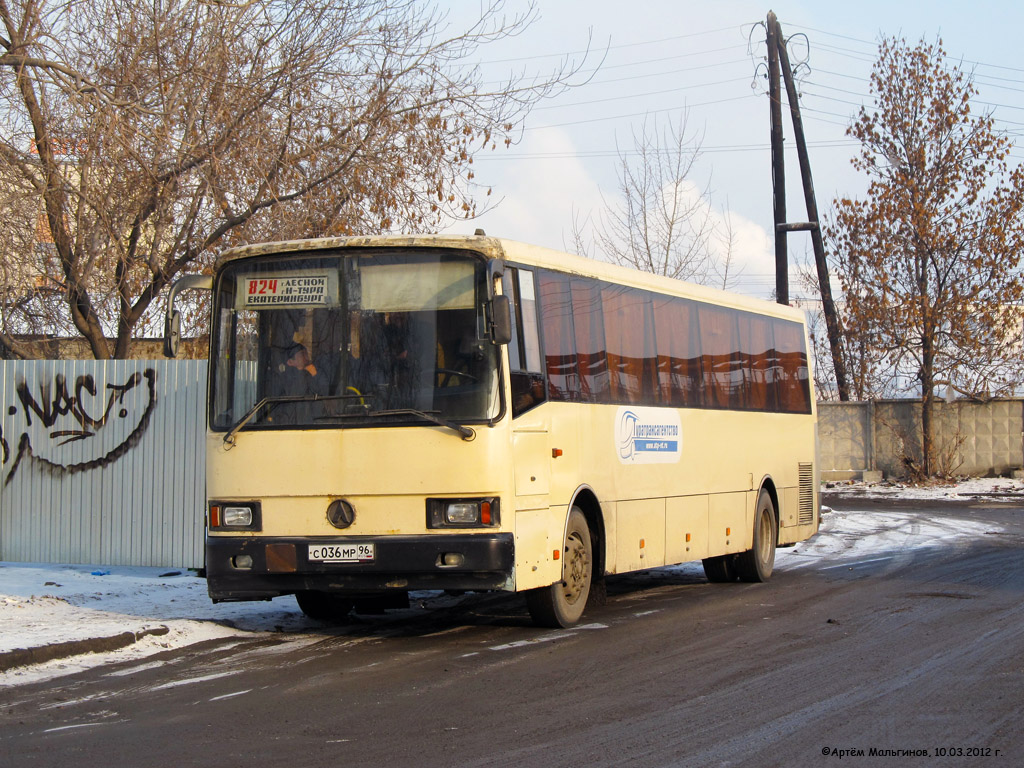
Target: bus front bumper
x=260, y=568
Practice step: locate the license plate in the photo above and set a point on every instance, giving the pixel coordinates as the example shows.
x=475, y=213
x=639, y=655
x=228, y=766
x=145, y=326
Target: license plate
x=341, y=553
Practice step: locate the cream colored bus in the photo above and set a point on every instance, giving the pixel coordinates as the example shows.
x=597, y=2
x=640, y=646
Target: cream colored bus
x=390, y=414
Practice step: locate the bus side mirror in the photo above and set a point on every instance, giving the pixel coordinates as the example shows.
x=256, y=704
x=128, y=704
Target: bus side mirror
x=501, y=320
x=172, y=333
x=172, y=320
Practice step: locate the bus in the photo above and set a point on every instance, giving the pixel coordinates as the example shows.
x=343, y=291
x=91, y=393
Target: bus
x=390, y=414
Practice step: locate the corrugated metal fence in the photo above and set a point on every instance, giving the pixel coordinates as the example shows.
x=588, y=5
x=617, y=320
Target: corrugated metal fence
x=103, y=462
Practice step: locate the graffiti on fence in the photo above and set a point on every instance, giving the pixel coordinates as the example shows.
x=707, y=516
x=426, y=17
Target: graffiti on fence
x=71, y=427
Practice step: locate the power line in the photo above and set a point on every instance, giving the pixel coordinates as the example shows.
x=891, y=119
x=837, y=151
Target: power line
x=975, y=62
x=642, y=43
x=667, y=72
x=644, y=94
x=598, y=153
x=659, y=60
x=845, y=52
x=638, y=114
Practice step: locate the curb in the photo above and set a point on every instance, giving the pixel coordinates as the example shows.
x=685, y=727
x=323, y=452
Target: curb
x=23, y=657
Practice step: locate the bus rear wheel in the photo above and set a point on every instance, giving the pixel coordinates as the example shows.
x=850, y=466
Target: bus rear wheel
x=562, y=604
x=756, y=563
x=323, y=606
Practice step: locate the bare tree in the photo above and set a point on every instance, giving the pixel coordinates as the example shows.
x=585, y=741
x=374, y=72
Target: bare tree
x=661, y=221
x=723, y=241
x=863, y=365
x=145, y=137
x=929, y=261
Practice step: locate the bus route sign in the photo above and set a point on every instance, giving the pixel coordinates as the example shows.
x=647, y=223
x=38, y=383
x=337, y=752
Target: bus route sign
x=304, y=289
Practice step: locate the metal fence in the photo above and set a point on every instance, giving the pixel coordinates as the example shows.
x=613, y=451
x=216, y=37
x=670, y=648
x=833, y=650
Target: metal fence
x=102, y=462
x=969, y=438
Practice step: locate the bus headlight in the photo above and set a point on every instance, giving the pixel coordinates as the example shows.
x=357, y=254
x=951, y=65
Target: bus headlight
x=235, y=516
x=463, y=513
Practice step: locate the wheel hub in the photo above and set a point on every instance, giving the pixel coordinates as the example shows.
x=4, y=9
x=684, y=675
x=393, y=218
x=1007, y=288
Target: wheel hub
x=574, y=570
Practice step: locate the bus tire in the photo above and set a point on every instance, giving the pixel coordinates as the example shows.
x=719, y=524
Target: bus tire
x=720, y=569
x=755, y=565
x=323, y=606
x=562, y=604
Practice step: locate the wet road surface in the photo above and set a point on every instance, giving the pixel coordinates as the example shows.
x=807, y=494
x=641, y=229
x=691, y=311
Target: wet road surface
x=886, y=642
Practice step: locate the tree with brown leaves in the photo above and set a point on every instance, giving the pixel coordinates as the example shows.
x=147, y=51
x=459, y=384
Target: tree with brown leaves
x=929, y=260
x=138, y=140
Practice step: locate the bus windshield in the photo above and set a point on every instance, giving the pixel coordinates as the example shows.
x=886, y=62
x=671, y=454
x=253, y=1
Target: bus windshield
x=355, y=339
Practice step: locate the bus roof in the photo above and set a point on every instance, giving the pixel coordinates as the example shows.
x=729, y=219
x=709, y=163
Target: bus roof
x=520, y=253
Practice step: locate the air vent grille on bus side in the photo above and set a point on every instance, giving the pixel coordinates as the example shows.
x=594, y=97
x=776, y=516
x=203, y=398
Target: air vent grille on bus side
x=806, y=493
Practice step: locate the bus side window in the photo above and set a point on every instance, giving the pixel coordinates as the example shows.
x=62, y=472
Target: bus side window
x=793, y=383
x=526, y=373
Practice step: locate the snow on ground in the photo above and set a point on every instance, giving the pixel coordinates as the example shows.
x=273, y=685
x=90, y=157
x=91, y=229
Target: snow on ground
x=43, y=604
x=850, y=535
x=940, y=490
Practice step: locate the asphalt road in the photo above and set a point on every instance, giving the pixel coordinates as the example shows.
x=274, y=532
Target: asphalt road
x=915, y=650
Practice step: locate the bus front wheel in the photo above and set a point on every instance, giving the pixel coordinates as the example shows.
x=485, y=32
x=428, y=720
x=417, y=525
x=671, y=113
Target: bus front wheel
x=562, y=604
x=756, y=563
x=324, y=606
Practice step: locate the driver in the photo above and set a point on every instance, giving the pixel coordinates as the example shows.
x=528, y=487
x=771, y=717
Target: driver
x=300, y=359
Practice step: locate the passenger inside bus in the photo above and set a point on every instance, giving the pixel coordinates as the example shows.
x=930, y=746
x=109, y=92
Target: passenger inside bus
x=303, y=362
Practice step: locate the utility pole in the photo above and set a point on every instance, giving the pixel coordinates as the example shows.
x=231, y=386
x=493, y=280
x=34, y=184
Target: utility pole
x=778, y=163
x=778, y=55
x=824, y=282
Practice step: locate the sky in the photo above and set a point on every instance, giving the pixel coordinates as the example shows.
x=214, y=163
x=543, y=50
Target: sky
x=703, y=62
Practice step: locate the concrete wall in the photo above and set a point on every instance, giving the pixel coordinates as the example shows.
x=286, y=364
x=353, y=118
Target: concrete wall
x=976, y=439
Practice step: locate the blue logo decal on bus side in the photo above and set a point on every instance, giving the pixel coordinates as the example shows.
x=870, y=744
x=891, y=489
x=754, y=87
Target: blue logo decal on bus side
x=648, y=436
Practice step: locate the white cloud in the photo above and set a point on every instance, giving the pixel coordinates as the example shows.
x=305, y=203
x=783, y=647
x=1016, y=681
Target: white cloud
x=534, y=199
x=540, y=184
x=753, y=252
x=744, y=243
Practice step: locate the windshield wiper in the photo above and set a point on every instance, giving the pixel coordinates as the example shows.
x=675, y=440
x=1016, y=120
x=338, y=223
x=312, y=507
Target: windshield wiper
x=466, y=433
x=229, y=438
